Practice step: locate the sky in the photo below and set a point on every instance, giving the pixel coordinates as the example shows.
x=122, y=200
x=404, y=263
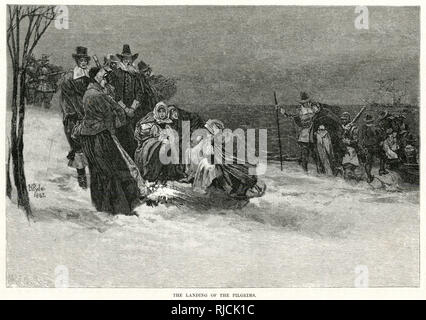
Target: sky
x=240, y=55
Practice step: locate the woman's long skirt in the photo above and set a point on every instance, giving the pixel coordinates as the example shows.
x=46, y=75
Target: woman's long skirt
x=112, y=188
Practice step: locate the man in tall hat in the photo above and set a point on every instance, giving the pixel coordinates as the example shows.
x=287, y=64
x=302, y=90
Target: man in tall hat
x=127, y=89
x=73, y=86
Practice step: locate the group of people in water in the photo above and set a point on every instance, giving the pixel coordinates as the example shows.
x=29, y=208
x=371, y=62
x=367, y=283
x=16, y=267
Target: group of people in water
x=339, y=146
x=117, y=129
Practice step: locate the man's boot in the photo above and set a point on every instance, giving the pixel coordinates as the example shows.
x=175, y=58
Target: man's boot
x=368, y=168
x=382, y=169
x=81, y=178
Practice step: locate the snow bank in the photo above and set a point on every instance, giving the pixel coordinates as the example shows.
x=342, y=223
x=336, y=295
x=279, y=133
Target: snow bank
x=305, y=231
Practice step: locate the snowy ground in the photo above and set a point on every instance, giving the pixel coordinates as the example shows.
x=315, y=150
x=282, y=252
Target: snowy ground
x=306, y=231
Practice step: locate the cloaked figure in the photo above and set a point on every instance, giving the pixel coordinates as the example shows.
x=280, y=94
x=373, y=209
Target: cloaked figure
x=72, y=87
x=124, y=77
x=154, y=134
x=113, y=188
x=216, y=169
x=325, y=150
x=350, y=161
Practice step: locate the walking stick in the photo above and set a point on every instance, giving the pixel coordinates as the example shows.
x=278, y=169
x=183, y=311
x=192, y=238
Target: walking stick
x=278, y=127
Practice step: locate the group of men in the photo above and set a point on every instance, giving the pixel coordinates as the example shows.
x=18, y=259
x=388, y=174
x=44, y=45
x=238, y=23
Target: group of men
x=113, y=118
x=339, y=146
x=116, y=127
x=122, y=84
x=41, y=80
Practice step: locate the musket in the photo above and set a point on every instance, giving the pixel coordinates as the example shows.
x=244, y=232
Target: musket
x=95, y=58
x=55, y=73
x=278, y=127
x=355, y=119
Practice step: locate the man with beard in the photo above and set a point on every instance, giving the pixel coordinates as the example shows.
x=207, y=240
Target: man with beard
x=113, y=188
x=148, y=96
x=73, y=86
x=126, y=82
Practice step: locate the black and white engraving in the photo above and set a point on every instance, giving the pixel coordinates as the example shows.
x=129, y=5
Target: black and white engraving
x=212, y=146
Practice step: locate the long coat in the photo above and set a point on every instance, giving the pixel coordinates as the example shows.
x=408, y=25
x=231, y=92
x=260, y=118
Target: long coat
x=112, y=187
x=71, y=103
x=130, y=86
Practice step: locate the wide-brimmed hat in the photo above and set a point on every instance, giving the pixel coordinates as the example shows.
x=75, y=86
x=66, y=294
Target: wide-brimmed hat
x=304, y=97
x=345, y=115
x=44, y=57
x=383, y=114
x=112, y=58
x=369, y=118
x=142, y=66
x=410, y=138
x=81, y=52
x=108, y=60
x=127, y=53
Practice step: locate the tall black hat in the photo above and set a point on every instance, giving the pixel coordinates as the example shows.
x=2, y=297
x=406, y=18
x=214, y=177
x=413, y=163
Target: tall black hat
x=304, y=97
x=127, y=53
x=81, y=52
x=369, y=118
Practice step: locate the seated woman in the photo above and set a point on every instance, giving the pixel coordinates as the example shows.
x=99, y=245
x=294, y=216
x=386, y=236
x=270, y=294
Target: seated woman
x=152, y=132
x=391, y=148
x=229, y=176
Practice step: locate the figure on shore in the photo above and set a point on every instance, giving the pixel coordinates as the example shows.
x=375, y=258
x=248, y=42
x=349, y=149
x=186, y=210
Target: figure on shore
x=46, y=85
x=216, y=169
x=113, y=189
x=391, y=149
x=125, y=80
x=324, y=150
x=72, y=88
x=31, y=80
x=350, y=161
x=152, y=132
x=148, y=96
x=369, y=141
x=310, y=117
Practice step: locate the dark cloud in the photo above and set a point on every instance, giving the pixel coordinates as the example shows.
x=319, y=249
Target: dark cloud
x=242, y=54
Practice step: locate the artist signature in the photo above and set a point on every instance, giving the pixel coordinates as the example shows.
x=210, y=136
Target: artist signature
x=38, y=190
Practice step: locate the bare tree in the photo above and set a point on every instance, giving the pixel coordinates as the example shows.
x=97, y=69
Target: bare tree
x=26, y=26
